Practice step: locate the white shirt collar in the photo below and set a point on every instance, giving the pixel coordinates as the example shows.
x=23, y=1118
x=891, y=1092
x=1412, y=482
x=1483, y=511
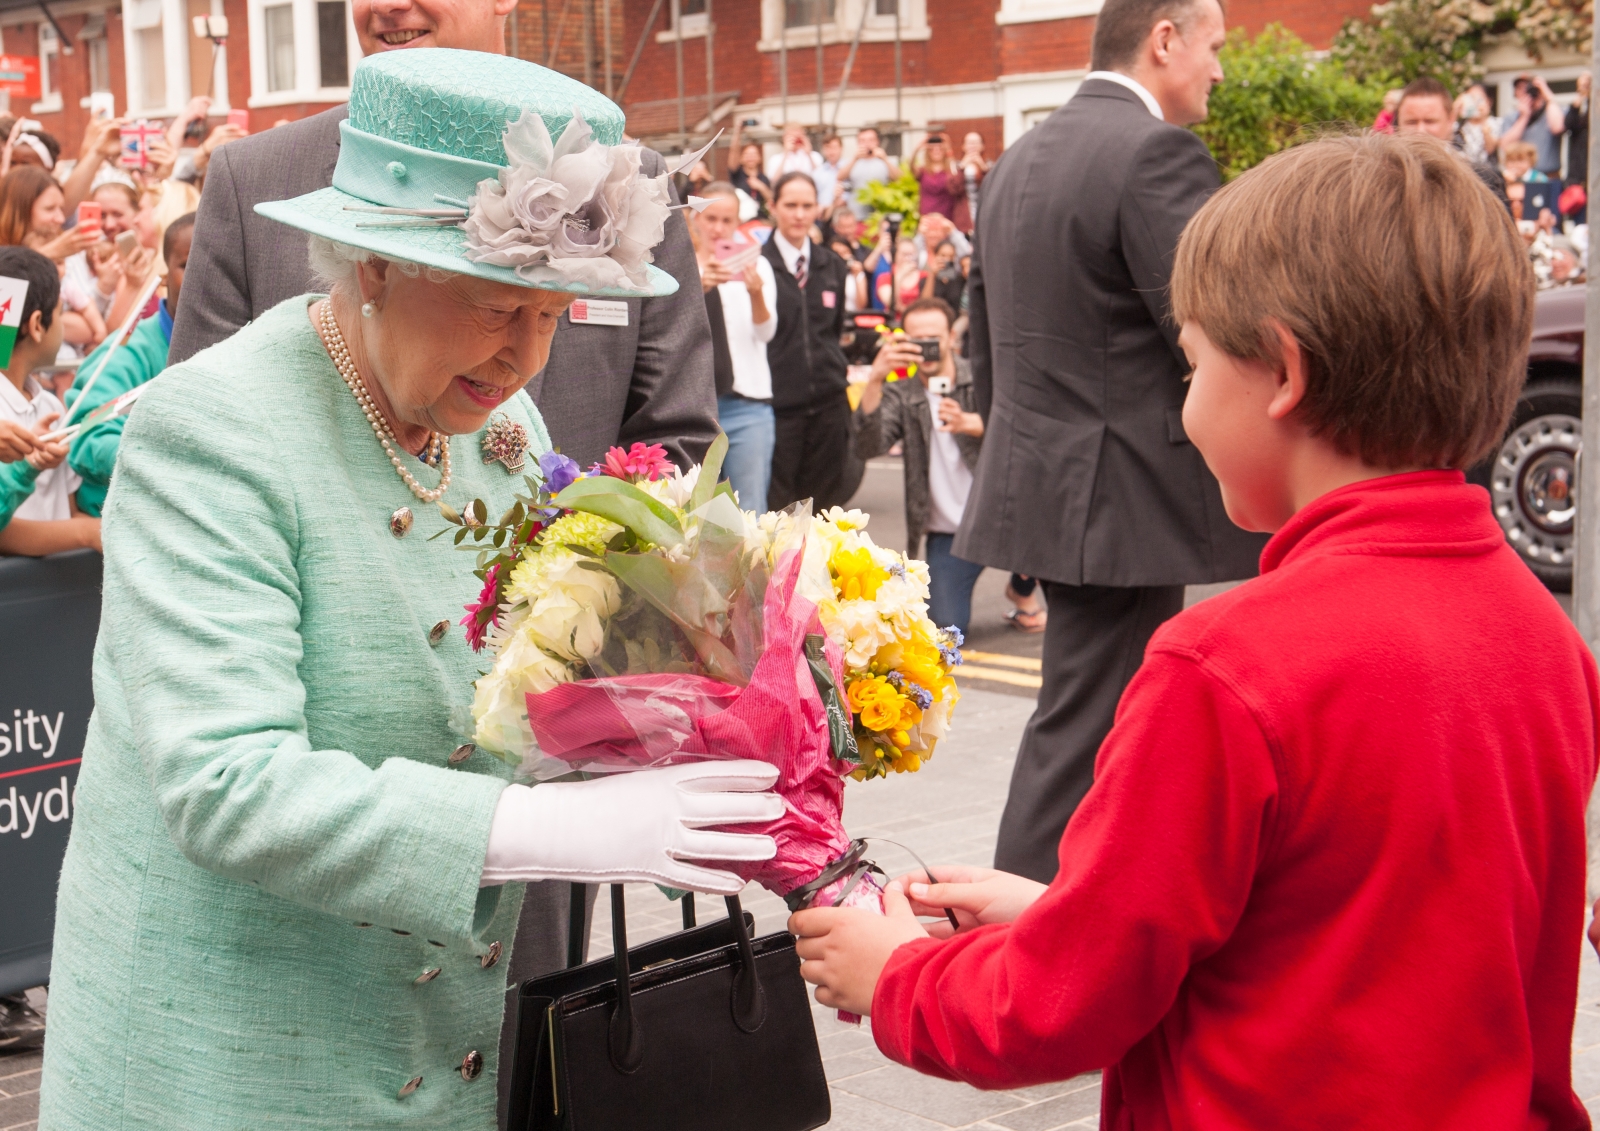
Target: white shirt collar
x=20, y=403
x=1121, y=79
x=790, y=253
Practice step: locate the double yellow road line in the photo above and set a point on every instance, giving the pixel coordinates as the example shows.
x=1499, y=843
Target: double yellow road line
x=997, y=667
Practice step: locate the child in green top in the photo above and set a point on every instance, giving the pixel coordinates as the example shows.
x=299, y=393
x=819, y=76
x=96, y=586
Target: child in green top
x=94, y=451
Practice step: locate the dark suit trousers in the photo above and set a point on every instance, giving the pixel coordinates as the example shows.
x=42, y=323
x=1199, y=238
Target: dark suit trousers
x=1094, y=641
x=814, y=457
x=541, y=948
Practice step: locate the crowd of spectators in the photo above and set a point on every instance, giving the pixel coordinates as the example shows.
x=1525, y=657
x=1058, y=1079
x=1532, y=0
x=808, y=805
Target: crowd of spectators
x=1520, y=157
x=88, y=235
x=804, y=278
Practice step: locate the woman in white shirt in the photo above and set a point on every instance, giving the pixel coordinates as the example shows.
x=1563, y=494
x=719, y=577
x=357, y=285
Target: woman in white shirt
x=742, y=303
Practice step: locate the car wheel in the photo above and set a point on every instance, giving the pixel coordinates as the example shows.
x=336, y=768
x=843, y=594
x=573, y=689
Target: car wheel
x=1533, y=479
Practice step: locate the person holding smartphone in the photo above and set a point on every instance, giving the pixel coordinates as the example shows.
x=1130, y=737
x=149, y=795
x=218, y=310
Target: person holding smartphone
x=933, y=413
x=1538, y=120
x=742, y=305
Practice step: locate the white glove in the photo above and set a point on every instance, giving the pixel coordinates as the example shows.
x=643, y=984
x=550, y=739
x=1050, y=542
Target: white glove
x=639, y=826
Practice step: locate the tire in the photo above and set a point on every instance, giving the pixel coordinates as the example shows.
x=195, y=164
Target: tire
x=1532, y=479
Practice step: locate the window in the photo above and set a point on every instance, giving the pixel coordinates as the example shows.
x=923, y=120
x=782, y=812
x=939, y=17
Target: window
x=49, y=71
x=152, y=68
x=279, y=24
x=890, y=8
x=691, y=7
x=99, y=63
x=807, y=13
x=332, y=44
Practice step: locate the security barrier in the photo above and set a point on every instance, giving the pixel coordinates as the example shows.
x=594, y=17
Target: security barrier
x=49, y=616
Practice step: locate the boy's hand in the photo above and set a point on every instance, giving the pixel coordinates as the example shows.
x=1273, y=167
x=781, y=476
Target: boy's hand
x=978, y=896
x=46, y=456
x=843, y=950
x=895, y=353
x=953, y=419
x=16, y=442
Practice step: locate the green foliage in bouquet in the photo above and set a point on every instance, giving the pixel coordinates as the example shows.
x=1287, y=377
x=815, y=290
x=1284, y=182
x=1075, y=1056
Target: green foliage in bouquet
x=903, y=196
x=1406, y=39
x=1276, y=94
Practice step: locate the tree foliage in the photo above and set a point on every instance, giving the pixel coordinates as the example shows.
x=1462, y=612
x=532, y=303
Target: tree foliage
x=1276, y=94
x=1406, y=39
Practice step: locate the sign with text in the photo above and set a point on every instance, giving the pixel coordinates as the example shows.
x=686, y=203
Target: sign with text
x=19, y=75
x=49, y=616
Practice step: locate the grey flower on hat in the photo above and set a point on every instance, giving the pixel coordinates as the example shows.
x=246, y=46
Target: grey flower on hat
x=570, y=212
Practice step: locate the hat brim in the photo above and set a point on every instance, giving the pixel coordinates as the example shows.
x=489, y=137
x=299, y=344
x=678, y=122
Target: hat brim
x=323, y=213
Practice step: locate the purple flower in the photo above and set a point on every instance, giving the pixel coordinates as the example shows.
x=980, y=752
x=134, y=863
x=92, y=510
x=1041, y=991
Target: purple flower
x=559, y=472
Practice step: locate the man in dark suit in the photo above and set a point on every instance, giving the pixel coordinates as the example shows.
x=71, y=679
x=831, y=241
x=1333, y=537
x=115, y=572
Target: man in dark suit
x=638, y=369
x=1086, y=478
x=813, y=457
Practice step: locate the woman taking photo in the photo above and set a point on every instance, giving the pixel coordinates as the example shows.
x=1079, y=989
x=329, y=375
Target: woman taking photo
x=903, y=283
x=291, y=884
x=745, y=172
x=32, y=212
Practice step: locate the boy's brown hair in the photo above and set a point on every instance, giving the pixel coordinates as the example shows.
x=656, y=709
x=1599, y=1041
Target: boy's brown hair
x=1520, y=151
x=1400, y=275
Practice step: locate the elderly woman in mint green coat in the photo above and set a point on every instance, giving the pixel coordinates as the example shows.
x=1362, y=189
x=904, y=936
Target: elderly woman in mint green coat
x=291, y=885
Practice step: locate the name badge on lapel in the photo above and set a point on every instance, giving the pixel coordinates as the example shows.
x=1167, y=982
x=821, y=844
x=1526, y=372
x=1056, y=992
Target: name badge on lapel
x=598, y=312
x=828, y=299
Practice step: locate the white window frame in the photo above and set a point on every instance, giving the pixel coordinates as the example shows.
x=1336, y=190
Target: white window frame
x=307, y=57
x=49, y=44
x=93, y=38
x=175, y=57
x=1033, y=11
x=842, y=29
x=694, y=25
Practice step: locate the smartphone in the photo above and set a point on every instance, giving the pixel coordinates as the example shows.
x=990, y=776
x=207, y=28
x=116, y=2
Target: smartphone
x=127, y=244
x=240, y=118
x=102, y=104
x=134, y=153
x=89, y=216
x=941, y=386
x=929, y=347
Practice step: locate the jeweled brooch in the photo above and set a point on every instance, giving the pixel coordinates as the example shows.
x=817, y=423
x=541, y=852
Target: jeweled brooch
x=507, y=441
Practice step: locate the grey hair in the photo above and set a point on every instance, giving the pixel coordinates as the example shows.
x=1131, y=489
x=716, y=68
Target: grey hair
x=333, y=264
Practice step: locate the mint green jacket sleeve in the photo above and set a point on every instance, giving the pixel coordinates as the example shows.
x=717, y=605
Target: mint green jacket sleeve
x=16, y=484
x=207, y=625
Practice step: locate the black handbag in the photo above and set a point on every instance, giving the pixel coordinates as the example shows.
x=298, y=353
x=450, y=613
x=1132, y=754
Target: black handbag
x=706, y=1029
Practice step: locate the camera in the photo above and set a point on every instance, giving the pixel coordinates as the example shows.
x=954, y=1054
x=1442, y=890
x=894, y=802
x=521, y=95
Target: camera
x=929, y=347
x=748, y=122
x=893, y=221
x=940, y=386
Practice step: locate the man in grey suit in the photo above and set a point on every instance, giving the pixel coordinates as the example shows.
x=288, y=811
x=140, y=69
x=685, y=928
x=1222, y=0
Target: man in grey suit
x=1086, y=479
x=639, y=369
x=648, y=379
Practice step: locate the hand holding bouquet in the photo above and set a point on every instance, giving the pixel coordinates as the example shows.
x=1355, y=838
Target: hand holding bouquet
x=637, y=617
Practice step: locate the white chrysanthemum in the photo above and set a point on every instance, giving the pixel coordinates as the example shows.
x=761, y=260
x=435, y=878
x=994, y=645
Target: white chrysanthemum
x=568, y=602
x=499, y=702
x=857, y=628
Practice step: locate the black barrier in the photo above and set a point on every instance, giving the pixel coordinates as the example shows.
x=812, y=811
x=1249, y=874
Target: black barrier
x=49, y=615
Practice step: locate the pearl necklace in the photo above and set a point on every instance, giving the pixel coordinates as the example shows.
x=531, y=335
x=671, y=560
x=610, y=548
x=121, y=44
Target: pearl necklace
x=333, y=342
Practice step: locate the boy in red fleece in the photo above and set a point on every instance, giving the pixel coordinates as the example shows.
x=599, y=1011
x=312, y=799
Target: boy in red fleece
x=1331, y=871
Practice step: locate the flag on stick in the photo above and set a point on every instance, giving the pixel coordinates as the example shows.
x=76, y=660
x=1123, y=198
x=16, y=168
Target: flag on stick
x=13, y=294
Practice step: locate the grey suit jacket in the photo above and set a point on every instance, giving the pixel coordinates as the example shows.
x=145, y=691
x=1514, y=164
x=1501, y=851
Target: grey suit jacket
x=650, y=380
x=1086, y=476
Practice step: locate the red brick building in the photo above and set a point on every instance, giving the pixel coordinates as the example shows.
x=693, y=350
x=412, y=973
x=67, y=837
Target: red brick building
x=994, y=66
x=680, y=68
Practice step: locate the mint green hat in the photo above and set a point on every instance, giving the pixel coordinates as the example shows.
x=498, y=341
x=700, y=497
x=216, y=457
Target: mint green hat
x=447, y=160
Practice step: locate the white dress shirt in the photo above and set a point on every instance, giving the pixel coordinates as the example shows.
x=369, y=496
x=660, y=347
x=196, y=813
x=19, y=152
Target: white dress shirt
x=949, y=479
x=791, y=254
x=1123, y=80
x=50, y=500
x=747, y=338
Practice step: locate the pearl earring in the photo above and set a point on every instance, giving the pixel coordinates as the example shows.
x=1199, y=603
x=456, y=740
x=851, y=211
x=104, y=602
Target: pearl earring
x=368, y=310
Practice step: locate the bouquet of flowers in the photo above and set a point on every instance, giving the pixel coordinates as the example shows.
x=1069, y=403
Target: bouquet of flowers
x=635, y=617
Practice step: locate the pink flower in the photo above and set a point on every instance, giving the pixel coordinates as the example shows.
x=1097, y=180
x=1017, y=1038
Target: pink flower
x=484, y=611
x=638, y=462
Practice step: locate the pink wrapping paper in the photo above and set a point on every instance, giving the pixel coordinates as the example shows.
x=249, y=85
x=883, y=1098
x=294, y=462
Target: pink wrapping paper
x=631, y=721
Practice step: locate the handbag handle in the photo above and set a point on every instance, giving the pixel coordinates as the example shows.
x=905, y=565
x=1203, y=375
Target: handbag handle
x=748, y=1003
